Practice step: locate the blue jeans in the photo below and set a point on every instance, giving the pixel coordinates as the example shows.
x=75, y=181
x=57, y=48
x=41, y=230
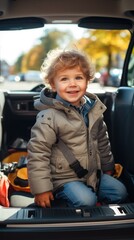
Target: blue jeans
x=78, y=194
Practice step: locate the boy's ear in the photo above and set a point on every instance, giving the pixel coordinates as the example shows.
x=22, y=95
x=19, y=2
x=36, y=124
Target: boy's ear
x=53, y=87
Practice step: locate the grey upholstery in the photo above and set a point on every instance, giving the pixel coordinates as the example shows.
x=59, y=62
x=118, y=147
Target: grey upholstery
x=123, y=127
x=123, y=135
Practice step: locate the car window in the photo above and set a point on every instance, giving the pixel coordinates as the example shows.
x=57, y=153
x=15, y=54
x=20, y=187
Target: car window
x=130, y=75
x=22, y=53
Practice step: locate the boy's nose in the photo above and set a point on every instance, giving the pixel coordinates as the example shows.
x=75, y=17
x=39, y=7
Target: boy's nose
x=72, y=82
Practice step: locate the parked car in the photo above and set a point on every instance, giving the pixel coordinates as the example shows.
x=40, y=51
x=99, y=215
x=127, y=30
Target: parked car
x=33, y=76
x=112, y=78
x=13, y=78
x=21, y=218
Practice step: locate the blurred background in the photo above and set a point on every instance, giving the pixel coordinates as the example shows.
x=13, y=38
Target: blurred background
x=22, y=53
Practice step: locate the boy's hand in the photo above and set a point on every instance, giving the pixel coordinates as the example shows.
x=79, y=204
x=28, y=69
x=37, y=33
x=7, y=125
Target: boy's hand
x=44, y=199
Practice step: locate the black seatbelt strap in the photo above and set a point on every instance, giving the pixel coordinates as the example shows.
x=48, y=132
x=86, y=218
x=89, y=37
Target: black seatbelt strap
x=73, y=163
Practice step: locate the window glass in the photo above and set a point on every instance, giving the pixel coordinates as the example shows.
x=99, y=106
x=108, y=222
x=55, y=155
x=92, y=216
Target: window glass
x=22, y=53
x=130, y=77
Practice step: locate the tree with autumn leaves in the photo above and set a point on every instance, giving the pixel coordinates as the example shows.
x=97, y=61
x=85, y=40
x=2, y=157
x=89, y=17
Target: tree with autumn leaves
x=107, y=48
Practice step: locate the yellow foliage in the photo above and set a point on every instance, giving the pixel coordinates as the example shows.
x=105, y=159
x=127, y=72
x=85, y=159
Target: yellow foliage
x=104, y=45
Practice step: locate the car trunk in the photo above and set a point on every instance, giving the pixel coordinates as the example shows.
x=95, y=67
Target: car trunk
x=18, y=118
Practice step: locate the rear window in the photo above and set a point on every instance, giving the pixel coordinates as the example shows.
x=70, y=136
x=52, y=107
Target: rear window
x=22, y=53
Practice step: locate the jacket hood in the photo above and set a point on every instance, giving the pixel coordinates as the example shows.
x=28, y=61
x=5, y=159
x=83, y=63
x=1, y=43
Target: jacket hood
x=47, y=99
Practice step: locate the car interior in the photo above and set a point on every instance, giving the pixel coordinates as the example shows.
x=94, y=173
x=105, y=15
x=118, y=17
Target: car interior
x=18, y=115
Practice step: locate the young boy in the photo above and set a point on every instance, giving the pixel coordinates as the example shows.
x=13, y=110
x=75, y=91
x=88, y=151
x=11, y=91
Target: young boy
x=68, y=114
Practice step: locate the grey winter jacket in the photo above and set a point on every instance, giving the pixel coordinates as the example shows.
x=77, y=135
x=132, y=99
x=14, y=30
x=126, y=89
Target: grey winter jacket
x=48, y=169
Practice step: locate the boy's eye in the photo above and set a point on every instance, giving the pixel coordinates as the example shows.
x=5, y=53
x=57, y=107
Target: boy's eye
x=64, y=79
x=79, y=77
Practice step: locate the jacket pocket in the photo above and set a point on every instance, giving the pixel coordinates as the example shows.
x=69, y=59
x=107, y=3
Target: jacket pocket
x=60, y=165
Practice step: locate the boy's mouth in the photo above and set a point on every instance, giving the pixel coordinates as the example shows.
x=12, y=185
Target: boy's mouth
x=73, y=92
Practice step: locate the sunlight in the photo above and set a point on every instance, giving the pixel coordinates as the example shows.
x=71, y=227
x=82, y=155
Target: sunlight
x=15, y=43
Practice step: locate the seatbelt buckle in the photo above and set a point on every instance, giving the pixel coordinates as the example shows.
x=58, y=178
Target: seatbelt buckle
x=78, y=169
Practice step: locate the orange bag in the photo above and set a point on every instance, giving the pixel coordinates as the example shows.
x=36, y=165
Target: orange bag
x=18, y=178
x=4, y=187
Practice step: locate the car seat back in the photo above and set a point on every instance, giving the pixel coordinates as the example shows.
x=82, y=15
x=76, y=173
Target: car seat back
x=123, y=135
x=123, y=127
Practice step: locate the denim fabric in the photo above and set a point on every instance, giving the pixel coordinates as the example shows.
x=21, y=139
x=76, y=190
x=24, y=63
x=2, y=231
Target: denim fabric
x=77, y=194
x=111, y=190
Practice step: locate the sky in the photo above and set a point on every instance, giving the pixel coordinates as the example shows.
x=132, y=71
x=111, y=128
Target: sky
x=15, y=43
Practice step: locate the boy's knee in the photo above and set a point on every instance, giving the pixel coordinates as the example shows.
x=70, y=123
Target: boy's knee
x=86, y=201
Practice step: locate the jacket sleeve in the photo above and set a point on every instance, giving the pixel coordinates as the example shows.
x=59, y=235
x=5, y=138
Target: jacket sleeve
x=39, y=151
x=104, y=147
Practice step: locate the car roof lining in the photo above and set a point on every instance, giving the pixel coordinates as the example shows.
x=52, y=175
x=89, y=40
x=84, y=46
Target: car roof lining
x=19, y=8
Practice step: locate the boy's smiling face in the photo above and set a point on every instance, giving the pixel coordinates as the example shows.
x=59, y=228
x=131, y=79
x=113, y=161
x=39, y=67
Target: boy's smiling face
x=70, y=84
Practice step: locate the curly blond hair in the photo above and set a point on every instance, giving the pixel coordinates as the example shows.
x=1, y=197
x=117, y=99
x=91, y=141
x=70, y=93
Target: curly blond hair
x=59, y=60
